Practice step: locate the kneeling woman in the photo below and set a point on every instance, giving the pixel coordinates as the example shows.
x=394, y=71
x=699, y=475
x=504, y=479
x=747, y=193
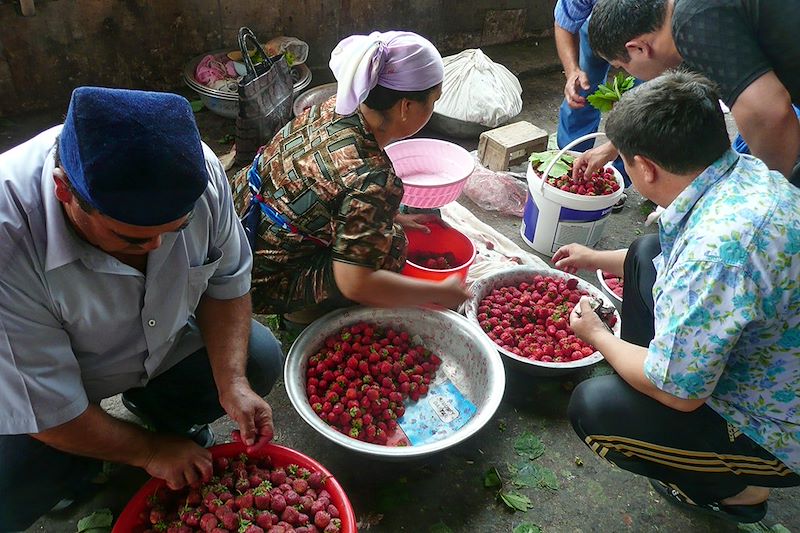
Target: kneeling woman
x=321, y=200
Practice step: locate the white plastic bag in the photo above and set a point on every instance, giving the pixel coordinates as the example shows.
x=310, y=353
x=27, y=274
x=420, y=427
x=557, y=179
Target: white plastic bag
x=478, y=90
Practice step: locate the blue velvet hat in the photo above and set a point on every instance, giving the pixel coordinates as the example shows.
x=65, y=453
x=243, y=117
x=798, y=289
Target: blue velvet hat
x=133, y=155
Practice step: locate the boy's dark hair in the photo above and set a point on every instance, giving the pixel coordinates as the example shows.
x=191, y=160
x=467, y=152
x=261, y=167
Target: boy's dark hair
x=381, y=98
x=615, y=22
x=82, y=202
x=674, y=120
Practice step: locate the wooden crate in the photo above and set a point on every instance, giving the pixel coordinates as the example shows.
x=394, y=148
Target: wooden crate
x=508, y=145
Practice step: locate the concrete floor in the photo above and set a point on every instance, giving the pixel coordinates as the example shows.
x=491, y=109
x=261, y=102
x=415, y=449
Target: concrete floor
x=445, y=492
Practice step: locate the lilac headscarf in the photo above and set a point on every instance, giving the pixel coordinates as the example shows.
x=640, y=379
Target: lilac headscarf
x=398, y=60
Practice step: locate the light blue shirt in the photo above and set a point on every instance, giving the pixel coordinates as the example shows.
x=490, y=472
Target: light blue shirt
x=727, y=301
x=77, y=325
x=571, y=14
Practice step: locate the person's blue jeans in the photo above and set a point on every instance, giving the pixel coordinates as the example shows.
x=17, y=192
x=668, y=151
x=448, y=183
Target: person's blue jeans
x=575, y=123
x=34, y=477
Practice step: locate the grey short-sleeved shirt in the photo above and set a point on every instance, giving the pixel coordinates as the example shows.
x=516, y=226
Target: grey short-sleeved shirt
x=77, y=325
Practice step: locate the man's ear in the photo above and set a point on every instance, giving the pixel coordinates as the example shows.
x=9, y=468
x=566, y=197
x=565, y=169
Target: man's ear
x=63, y=192
x=639, y=46
x=649, y=170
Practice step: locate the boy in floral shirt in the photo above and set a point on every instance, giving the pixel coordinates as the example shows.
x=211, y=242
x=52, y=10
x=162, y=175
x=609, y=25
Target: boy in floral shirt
x=705, y=401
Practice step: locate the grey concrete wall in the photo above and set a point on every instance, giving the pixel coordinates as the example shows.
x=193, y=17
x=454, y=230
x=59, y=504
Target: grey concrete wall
x=146, y=43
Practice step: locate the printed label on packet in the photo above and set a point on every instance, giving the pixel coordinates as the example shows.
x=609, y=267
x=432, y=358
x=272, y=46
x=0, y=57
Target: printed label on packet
x=442, y=412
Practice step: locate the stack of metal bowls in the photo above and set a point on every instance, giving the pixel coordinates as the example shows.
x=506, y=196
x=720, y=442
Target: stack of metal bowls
x=226, y=104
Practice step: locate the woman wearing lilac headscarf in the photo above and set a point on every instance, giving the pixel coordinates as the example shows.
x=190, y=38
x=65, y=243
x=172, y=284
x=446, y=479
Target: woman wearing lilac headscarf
x=321, y=200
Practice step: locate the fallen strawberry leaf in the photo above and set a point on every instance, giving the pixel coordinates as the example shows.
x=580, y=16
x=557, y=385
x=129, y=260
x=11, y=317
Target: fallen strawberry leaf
x=197, y=105
x=527, y=528
x=440, y=527
x=492, y=479
x=532, y=475
x=98, y=522
x=516, y=501
x=529, y=445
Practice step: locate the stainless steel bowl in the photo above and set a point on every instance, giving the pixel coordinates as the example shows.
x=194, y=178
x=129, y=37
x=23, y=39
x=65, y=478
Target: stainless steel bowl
x=313, y=96
x=469, y=360
x=514, y=276
x=226, y=104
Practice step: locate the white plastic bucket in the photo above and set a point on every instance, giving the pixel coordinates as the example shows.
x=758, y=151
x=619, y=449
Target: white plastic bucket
x=553, y=218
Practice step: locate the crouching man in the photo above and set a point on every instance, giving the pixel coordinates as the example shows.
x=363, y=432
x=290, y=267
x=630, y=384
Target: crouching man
x=705, y=398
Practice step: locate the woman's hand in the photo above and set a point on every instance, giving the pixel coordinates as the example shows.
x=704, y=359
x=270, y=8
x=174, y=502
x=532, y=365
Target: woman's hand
x=419, y=221
x=453, y=292
x=573, y=257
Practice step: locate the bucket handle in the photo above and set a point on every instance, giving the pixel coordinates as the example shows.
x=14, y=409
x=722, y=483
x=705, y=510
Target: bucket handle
x=563, y=151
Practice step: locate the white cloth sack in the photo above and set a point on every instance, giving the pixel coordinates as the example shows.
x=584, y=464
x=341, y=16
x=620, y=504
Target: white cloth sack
x=478, y=90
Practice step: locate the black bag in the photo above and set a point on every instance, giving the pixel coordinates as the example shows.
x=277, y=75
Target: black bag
x=265, y=99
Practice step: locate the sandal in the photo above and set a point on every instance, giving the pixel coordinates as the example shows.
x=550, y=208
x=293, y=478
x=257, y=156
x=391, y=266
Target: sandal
x=744, y=514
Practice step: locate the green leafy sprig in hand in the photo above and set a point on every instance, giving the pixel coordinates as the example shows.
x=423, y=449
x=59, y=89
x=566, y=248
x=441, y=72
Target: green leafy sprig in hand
x=607, y=94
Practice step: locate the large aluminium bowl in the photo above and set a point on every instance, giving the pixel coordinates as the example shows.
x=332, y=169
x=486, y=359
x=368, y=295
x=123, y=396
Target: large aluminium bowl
x=514, y=276
x=469, y=360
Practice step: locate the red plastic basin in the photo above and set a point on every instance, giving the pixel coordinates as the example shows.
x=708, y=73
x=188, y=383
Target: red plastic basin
x=132, y=521
x=439, y=241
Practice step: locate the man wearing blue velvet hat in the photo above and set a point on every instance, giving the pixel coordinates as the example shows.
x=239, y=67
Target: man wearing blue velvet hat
x=123, y=269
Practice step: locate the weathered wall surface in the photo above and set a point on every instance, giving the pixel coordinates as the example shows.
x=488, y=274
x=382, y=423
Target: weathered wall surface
x=146, y=43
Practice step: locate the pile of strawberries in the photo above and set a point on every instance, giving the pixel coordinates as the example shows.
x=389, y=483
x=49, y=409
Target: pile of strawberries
x=247, y=495
x=614, y=283
x=599, y=183
x=434, y=260
x=532, y=319
x=360, y=378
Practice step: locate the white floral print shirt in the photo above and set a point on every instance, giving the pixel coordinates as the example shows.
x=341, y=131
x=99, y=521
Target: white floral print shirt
x=727, y=301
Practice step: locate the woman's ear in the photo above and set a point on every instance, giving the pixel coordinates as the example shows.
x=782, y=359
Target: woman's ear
x=405, y=105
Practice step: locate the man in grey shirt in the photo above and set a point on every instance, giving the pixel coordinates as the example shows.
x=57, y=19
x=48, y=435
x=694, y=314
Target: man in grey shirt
x=123, y=269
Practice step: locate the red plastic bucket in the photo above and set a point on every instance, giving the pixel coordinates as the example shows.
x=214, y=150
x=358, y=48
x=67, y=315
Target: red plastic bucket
x=132, y=521
x=439, y=241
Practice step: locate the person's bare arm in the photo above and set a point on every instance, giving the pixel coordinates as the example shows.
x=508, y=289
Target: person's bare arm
x=98, y=435
x=382, y=288
x=568, y=47
x=225, y=327
x=766, y=120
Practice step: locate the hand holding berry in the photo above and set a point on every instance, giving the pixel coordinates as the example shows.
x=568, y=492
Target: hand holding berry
x=573, y=257
x=250, y=411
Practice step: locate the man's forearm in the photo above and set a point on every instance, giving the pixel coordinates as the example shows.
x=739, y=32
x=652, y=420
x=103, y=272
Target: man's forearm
x=98, y=435
x=568, y=46
x=225, y=327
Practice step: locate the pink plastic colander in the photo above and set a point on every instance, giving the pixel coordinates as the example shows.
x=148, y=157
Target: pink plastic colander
x=434, y=172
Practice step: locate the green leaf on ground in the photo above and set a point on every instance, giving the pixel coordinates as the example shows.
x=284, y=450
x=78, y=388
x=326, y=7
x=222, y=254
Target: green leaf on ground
x=646, y=207
x=396, y=494
x=98, y=522
x=529, y=445
x=516, y=501
x=228, y=138
x=527, y=528
x=492, y=479
x=197, y=105
x=533, y=475
x=440, y=527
